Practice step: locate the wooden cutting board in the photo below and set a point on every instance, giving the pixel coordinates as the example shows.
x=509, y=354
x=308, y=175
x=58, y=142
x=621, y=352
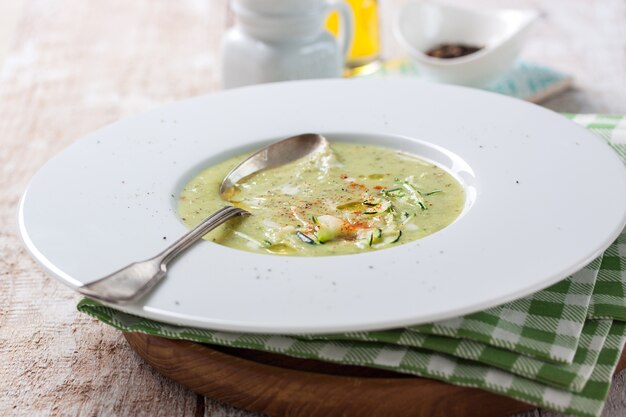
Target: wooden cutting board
x=279, y=385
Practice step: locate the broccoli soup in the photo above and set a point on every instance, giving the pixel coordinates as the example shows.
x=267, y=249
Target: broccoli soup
x=347, y=199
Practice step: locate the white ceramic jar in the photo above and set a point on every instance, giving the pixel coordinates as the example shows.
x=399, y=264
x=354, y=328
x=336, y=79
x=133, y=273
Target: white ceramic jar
x=280, y=40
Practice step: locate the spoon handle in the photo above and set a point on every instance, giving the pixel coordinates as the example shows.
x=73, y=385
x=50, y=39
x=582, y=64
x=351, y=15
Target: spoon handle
x=208, y=224
x=136, y=279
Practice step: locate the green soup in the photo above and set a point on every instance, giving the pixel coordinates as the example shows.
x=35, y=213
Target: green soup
x=347, y=199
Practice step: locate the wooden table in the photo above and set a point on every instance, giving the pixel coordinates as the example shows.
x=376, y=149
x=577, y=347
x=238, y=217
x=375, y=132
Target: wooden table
x=74, y=66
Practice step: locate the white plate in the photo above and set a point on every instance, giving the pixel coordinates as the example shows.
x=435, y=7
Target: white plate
x=544, y=198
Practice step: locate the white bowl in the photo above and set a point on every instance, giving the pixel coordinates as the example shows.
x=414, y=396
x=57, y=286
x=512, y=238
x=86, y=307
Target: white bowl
x=421, y=25
x=111, y=197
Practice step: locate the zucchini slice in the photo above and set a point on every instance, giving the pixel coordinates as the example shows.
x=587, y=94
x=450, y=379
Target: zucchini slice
x=328, y=228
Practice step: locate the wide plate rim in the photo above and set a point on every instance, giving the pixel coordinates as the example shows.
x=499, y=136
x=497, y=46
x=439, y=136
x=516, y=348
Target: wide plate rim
x=168, y=315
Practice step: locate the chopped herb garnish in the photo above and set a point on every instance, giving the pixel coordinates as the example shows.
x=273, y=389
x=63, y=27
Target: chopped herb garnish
x=434, y=192
x=414, y=194
x=371, y=203
x=305, y=238
x=394, y=192
x=410, y=187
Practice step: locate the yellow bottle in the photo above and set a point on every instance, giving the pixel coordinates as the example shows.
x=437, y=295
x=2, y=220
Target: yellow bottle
x=365, y=49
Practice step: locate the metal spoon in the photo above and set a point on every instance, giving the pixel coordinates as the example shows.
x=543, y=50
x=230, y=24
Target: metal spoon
x=136, y=279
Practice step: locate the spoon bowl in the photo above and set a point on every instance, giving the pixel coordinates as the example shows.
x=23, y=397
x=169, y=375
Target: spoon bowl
x=276, y=154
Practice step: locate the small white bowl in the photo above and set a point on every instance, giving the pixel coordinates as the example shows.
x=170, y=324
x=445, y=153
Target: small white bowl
x=422, y=25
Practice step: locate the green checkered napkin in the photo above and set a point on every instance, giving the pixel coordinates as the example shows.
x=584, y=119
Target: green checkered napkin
x=546, y=324
x=414, y=361
x=572, y=377
x=609, y=294
x=579, y=388
x=611, y=128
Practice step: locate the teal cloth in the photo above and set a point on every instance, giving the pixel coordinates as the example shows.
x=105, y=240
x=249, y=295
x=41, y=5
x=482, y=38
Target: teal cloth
x=525, y=80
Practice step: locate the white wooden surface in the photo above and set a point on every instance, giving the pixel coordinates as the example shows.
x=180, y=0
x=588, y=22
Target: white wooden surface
x=74, y=66
x=10, y=13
